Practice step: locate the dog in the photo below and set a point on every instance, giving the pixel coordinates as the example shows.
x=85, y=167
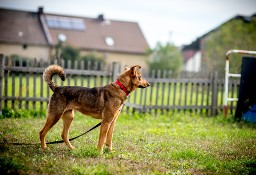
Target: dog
x=104, y=103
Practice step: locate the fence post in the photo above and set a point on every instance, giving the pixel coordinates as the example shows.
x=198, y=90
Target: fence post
x=1, y=80
x=214, y=93
x=115, y=71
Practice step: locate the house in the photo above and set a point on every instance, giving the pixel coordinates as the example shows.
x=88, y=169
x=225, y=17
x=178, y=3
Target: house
x=36, y=35
x=22, y=34
x=192, y=57
x=207, y=53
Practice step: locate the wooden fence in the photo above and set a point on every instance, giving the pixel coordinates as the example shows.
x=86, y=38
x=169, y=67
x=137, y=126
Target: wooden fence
x=22, y=86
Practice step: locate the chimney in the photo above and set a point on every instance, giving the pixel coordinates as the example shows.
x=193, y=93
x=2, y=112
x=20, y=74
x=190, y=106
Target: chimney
x=40, y=10
x=100, y=17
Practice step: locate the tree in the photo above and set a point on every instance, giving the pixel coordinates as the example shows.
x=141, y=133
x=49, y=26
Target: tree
x=235, y=34
x=92, y=58
x=165, y=57
x=69, y=53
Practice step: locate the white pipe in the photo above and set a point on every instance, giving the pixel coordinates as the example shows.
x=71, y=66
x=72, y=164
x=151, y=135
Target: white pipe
x=226, y=83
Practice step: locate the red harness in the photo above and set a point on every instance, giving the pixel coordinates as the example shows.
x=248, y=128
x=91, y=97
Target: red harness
x=122, y=87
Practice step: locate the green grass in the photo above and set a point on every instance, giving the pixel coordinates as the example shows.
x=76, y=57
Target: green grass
x=142, y=144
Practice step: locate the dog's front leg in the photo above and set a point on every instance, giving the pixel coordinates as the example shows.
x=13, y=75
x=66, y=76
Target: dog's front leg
x=103, y=133
x=109, y=115
x=111, y=130
x=110, y=135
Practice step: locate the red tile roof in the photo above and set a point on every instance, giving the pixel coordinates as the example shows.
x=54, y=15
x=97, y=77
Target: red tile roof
x=127, y=36
x=21, y=27
x=124, y=36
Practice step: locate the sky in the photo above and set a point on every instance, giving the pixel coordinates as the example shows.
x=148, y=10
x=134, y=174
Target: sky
x=177, y=21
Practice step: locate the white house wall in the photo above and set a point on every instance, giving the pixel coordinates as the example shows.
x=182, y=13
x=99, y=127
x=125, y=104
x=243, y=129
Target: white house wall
x=194, y=63
x=28, y=51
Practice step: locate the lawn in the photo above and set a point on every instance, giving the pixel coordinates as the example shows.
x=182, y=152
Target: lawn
x=142, y=144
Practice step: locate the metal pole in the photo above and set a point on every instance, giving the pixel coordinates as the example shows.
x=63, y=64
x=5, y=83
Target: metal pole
x=226, y=88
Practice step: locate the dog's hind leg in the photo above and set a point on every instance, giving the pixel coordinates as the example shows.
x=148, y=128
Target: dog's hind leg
x=67, y=117
x=52, y=119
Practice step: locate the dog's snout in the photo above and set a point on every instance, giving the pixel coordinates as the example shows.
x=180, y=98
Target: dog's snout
x=148, y=84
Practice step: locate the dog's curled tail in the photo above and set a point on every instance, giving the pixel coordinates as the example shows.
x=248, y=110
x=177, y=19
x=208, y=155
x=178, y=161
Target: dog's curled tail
x=50, y=71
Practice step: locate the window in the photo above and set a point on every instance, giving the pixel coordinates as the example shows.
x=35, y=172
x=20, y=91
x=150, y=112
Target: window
x=65, y=23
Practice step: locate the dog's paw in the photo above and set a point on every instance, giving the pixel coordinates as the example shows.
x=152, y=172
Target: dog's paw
x=109, y=147
x=100, y=151
x=108, y=150
x=72, y=147
x=45, y=148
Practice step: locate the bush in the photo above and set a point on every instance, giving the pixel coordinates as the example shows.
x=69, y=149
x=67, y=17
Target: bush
x=21, y=113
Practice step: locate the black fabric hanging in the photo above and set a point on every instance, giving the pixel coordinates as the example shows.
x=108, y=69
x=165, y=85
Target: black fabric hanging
x=247, y=89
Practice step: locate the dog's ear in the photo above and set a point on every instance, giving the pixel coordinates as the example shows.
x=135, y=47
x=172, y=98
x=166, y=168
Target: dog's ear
x=126, y=68
x=134, y=69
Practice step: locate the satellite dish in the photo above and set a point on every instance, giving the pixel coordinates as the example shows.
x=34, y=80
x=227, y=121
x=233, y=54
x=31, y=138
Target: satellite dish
x=109, y=41
x=62, y=37
x=20, y=34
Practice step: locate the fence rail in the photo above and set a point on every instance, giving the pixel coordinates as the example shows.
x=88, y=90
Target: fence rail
x=23, y=87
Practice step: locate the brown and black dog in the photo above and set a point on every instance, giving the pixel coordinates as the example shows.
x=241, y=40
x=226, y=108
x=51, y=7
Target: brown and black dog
x=103, y=103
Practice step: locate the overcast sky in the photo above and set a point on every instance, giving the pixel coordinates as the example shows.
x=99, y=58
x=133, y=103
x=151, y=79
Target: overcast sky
x=176, y=21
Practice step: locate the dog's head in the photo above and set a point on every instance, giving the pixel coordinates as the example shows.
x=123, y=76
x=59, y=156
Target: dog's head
x=133, y=79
